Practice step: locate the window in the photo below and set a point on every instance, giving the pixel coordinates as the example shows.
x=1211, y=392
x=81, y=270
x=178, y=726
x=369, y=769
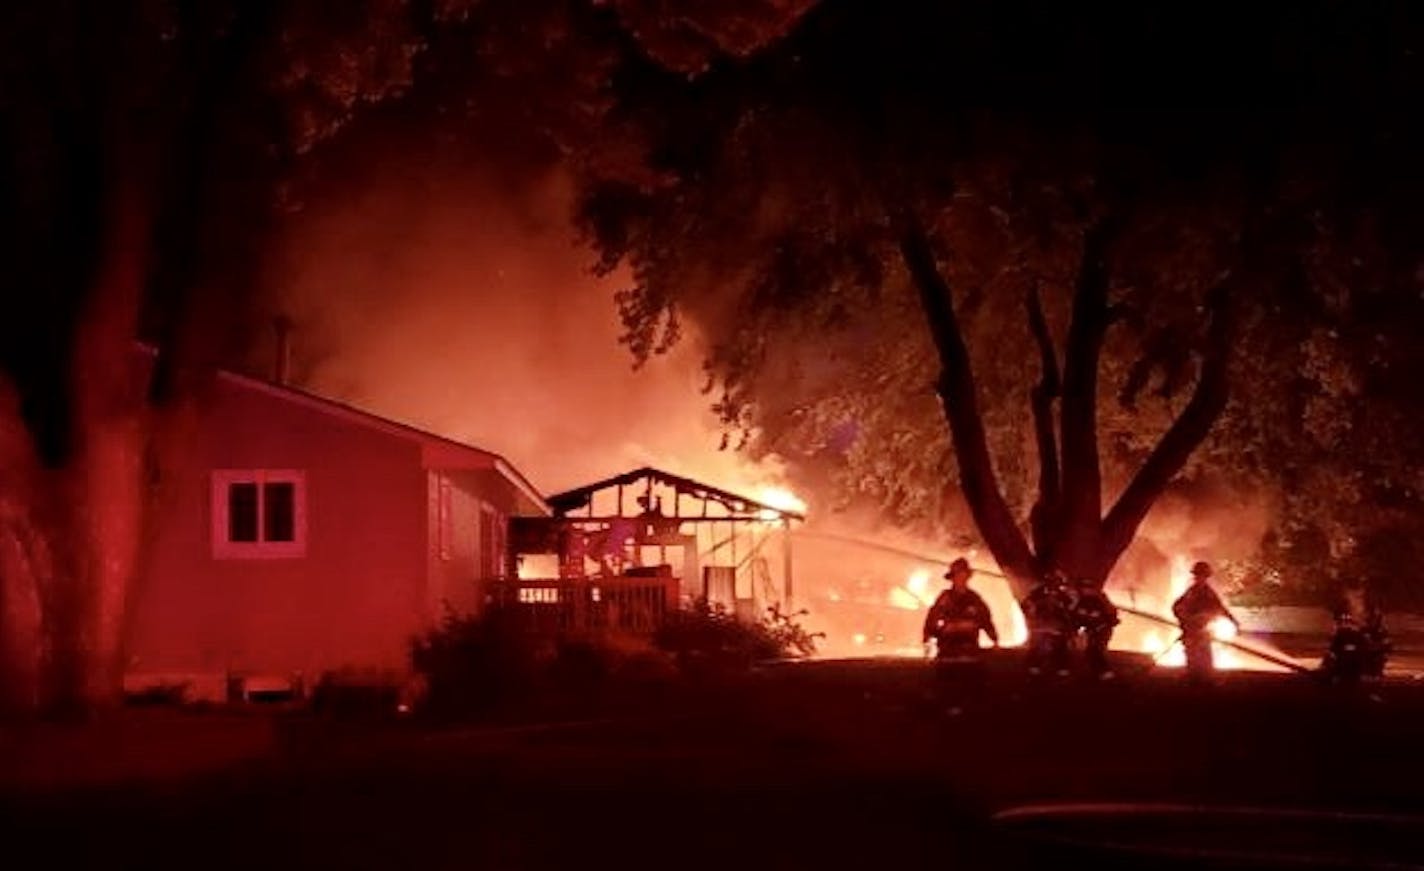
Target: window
x=258, y=514
x=242, y=512
x=279, y=511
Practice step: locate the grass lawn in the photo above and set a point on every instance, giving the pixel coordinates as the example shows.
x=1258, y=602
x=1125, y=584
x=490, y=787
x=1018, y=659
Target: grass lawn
x=829, y=764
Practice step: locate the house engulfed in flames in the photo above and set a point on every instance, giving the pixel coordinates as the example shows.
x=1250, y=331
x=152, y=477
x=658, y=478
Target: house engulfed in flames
x=618, y=554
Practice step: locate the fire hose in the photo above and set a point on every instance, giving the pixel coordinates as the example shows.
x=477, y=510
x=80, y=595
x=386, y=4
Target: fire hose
x=1273, y=658
x=1266, y=655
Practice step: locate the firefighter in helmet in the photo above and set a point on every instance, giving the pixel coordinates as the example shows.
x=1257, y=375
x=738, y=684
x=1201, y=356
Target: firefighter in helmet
x=957, y=617
x=1048, y=611
x=1196, y=610
x=1094, y=615
x=1359, y=621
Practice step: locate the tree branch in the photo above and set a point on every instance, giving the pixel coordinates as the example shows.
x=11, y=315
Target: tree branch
x=1043, y=517
x=1185, y=434
x=961, y=409
x=1082, y=476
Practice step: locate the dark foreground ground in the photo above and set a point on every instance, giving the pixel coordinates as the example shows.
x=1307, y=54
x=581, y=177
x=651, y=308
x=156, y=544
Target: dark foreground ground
x=821, y=765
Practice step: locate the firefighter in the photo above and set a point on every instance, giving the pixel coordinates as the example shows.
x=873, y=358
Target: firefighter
x=1196, y=610
x=957, y=617
x=1095, y=616
x=1048, y=611
x=1358, y=616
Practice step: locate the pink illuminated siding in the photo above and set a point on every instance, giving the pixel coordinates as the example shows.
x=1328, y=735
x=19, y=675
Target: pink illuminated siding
x=299, y=536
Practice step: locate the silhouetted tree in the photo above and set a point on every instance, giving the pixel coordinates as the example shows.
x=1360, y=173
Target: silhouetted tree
x=143, y=149
x=1094, y=223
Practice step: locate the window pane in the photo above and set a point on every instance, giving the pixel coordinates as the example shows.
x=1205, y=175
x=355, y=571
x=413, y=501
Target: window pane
x=242, y=512
x=279, y=511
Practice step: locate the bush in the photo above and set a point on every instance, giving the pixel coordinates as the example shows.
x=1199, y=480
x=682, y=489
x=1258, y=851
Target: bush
x=472, y=666
x=358, y=693
x=707, y=636
x=789, y=634
x=479, y=665
x=174, y=693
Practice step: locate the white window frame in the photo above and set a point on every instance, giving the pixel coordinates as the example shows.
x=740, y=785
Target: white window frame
x=492, y=546
x=223, y=548
x=444, y=518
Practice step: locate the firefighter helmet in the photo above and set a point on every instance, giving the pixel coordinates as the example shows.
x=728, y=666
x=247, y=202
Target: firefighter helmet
x=960, y=565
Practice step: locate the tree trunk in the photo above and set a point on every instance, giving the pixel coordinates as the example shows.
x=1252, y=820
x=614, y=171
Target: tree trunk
x=1045, y=517
x=105, y=511
x=991, y=512
x=147, y=137
x=1076, y=546
x=1186, y=433
x=1068, y=528
x=69, y=532
x=23, y=561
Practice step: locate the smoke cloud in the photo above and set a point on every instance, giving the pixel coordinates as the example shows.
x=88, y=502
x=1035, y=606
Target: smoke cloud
x=447, y=297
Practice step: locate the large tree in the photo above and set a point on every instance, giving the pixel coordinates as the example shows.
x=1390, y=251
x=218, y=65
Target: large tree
x=143, y=153
x=1094, y=223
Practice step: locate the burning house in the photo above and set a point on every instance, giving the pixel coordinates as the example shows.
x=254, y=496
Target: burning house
x=617, y=554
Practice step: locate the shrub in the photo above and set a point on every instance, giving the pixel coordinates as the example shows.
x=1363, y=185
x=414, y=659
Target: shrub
x=478, y=665
x=708, y=636
x=171, y=693
x=358, y=693
x=788, y=633
x=475, y=663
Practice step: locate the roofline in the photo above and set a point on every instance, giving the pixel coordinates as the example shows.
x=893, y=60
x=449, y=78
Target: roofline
x=585, y=493
x=324, y=403
x=501, y=465
x=504, y=467
x=513, y=475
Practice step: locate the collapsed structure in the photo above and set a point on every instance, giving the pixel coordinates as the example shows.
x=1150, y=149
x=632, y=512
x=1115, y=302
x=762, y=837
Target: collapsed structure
x=619, y=553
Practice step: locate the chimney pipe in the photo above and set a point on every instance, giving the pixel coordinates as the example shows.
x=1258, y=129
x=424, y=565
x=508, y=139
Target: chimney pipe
x=282, y=364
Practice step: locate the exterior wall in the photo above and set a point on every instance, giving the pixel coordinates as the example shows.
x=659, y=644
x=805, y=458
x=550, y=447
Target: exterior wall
x=354, y=596
x=469, y=517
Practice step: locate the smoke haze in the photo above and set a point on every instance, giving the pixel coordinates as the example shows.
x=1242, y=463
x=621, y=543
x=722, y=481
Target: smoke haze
x=450, y=299
x=453, y=296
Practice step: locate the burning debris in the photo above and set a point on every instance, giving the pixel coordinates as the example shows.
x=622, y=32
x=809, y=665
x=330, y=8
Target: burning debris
x=621, y=553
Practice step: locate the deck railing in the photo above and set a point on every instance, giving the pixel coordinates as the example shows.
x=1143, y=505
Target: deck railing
x=631, y=605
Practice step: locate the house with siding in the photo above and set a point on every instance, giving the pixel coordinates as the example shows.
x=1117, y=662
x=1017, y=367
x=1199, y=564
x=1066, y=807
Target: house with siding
x=297, y=535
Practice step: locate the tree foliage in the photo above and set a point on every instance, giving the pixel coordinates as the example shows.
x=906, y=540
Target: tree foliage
x=1038, y=152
